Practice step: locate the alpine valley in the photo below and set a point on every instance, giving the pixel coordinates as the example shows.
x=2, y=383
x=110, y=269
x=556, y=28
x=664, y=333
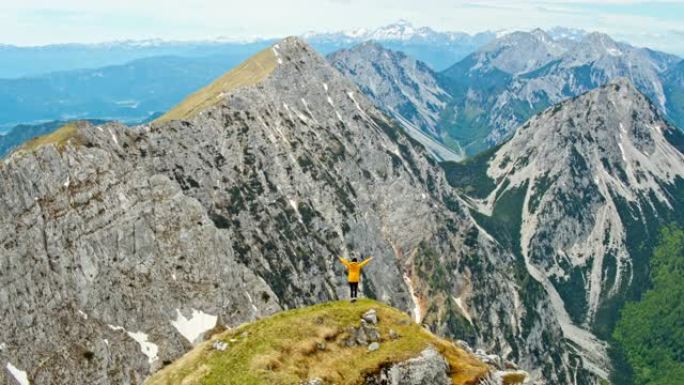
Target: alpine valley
x=123, y=247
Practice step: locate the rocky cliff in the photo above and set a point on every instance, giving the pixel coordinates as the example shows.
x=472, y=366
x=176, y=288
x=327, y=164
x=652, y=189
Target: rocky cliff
x=578, y=193
x=405, y=88
x=122, y=246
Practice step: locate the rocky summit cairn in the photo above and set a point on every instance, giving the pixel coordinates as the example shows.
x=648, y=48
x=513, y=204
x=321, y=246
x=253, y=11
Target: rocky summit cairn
x=366, y=334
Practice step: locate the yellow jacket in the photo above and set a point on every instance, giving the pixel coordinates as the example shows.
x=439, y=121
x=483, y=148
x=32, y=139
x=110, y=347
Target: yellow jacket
x=354, y=269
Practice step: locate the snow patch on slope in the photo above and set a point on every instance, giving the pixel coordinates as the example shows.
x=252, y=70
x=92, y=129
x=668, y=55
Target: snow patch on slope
x=19, y=375
x=146, y=347
x=194, y=326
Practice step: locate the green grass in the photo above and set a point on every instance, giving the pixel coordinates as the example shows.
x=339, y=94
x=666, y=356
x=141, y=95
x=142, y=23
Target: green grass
x=250, y=72
x=283, y=349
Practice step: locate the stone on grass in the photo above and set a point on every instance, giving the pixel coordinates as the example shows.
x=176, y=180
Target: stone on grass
x=370, y=316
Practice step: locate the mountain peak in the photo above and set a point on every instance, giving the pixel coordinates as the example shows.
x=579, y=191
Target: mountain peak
x=519, y=52
x=577, y=165
x=541, y=35
x=249, y=73
x=603, y=43
x=615, y=128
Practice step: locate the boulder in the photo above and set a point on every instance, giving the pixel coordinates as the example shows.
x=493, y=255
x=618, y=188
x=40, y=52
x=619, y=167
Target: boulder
x=370, y=316
x=372, y=333
x=313, y=381
x=373, y=346
x=429, y=368
x=219, y=345
x=360, y=336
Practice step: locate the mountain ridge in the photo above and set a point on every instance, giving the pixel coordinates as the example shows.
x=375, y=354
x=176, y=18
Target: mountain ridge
x=236, y=213
x=499, y=87
x=405, y=88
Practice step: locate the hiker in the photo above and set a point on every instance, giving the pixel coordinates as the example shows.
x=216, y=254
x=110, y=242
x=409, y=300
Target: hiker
x=354, y=274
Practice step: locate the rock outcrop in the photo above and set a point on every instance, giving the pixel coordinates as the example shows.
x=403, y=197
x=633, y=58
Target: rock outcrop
x=429, y=368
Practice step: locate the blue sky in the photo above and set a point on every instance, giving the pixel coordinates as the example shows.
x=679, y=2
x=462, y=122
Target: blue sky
x=657, y=24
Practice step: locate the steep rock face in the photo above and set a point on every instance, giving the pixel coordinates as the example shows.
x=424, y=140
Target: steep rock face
x=499, y=87
x=593, y=178
x=122, y=246
x=403, y=87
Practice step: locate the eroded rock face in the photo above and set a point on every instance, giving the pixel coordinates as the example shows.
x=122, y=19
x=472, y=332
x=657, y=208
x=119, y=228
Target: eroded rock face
x=405, y=88
x=429, y=368
x=121, y=247
x=590, y=176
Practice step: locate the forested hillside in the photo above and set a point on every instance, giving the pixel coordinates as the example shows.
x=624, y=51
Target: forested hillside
x=651, y=331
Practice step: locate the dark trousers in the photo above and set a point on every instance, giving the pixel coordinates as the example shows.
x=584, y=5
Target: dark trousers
x=354, y=288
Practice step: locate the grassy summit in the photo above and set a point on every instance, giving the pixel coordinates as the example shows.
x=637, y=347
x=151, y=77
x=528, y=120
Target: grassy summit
x=293, y=346
x=250, y=72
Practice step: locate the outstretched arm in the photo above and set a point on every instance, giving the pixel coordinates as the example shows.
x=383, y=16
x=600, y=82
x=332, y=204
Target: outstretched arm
x=344, y=261
x=364, y=263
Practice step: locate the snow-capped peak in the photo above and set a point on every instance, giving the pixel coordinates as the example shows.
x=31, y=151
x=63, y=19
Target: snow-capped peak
x=402, y=30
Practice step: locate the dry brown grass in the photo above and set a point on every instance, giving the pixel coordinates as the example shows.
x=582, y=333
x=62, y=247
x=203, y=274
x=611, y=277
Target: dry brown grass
x=59, y=137
x=514, y=378
x=250, y=72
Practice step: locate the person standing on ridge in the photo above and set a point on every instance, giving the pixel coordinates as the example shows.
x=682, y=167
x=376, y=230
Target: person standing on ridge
x=354, y=274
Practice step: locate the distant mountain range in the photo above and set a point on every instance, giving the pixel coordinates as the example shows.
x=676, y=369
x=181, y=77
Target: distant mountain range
x=18, y=62
x=485, y=96
x=129, y=92
x=132, y=80
x=437, y=49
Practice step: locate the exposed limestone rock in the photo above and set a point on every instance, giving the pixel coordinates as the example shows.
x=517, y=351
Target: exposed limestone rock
x=430, y=368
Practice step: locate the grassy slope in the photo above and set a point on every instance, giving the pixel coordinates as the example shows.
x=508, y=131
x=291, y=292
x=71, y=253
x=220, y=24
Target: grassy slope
x=283, y=349
x=250, y=72
x=58, y=137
